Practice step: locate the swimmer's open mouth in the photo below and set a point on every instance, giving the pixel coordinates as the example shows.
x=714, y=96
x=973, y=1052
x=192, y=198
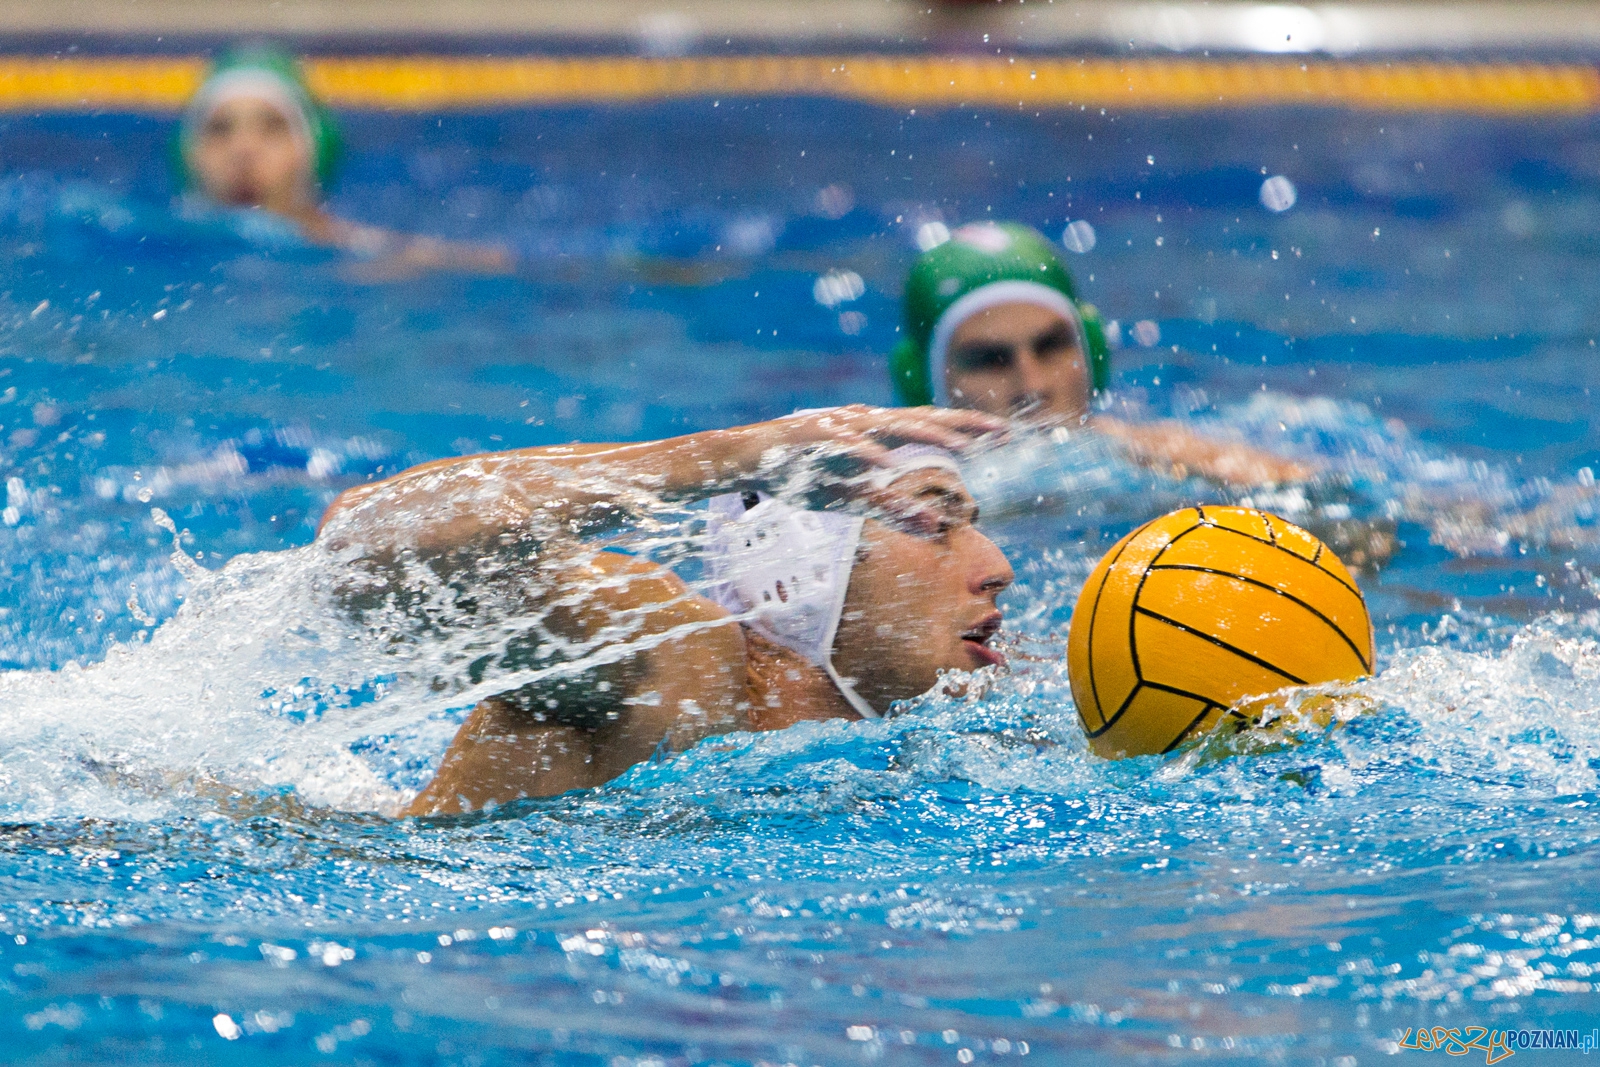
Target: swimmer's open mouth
x=977, y=641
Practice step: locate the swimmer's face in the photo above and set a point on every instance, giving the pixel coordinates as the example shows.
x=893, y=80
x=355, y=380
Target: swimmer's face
x=247, y=153
x=923, y=591
x=1018, y=359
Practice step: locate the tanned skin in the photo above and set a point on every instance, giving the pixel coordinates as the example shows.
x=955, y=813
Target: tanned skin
x=921, y=600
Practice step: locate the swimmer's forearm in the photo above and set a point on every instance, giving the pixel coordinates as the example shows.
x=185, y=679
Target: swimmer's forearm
x=1171, y=446
x=562, y=489
x=669, y=468
x=567, y=475
x=675, y=468
x=751, y=456
x=555, y=490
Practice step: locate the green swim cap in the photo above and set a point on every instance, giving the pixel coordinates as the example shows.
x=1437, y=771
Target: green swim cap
x=261, y=72
x=981, y=265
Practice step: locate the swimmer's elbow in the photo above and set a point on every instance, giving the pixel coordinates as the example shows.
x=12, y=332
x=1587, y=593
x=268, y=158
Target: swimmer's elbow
x=485, y=503
x=341, y=506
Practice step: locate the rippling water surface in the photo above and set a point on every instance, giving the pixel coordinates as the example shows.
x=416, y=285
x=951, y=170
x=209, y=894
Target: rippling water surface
x=198, y=745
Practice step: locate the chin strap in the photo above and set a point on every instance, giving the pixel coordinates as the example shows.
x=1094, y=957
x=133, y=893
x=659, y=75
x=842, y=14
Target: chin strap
x=848, y=691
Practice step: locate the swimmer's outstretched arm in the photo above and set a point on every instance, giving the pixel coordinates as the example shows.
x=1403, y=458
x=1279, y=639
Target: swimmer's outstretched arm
x=395, y=255
x=559, y=491
x=1170, y=446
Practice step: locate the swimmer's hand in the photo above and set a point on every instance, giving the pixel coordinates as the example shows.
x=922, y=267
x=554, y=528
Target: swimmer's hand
x=1172, y=448
x=864, y=433
x=391, y=256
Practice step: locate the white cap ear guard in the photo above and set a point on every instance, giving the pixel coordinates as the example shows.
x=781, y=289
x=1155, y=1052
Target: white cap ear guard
x=785, y=572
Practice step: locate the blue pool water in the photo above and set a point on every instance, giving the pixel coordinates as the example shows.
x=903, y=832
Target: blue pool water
x=197, y=747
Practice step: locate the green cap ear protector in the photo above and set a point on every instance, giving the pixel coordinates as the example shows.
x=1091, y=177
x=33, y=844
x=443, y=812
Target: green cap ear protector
x=981, y=265
x=261, y=72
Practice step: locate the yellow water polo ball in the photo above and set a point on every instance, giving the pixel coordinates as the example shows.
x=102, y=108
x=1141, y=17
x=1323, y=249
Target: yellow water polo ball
x=1198, y=610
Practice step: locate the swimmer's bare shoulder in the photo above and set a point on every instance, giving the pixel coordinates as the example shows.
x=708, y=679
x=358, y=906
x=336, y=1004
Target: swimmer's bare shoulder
x=687, y=680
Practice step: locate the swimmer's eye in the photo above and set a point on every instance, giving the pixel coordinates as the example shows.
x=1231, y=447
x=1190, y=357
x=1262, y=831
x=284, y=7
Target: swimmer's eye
x=274, y=123
x=925, y=522
x=218, y=126
x=1055, y=342
x=936, y=512
x=981, y=357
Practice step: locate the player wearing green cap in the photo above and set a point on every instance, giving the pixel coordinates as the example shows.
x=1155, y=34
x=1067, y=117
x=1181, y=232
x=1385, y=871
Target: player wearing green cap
x=993, y=322
x=988, y=272
x=255, y=136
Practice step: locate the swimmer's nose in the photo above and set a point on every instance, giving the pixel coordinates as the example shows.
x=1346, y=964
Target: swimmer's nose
x=991, y=572
x=1032, y=375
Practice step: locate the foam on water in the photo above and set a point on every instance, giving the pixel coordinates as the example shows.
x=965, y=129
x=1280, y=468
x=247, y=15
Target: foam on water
x=268, y=677
x=759, y=867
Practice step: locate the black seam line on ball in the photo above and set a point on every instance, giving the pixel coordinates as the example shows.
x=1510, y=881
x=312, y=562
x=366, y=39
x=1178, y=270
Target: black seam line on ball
x=1160, y=687
x=1207, y=710
x=1094, y=614
x=1274, y=589
x=1133, y=646
x=1112, y=721
x=1296, y=555
x=1241, y=653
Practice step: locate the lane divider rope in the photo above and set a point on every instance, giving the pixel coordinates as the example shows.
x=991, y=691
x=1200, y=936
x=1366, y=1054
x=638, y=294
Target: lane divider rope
x=448, y=83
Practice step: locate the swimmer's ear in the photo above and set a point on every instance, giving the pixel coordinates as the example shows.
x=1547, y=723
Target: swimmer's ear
x=908, y=369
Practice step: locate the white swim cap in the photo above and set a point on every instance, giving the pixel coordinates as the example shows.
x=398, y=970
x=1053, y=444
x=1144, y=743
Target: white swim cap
x=254, y=83
x=785, y=571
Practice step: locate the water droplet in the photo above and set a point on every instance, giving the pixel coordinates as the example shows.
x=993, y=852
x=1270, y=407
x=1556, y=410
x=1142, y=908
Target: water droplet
x=1278, y=193
x=837, y=287
x=1078, y=236
x=931, y=235
x=834, y=201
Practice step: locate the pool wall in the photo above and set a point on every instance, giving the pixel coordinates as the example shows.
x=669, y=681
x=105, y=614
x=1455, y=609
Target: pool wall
x=655, y=26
